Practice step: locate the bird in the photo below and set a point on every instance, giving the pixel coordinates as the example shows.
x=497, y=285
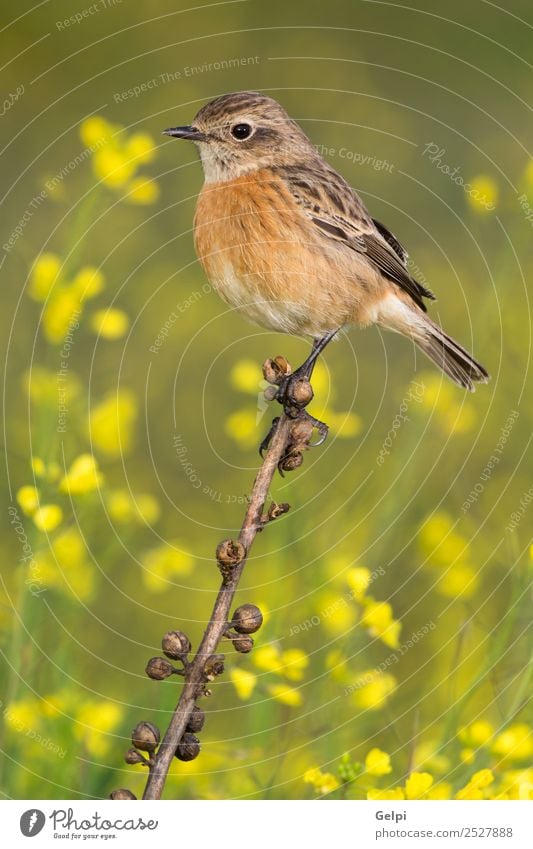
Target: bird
x=288, y=243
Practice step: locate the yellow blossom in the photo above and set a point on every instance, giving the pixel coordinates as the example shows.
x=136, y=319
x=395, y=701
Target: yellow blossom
x=61, y=315
x=165, y=563
x=141, y=147
x=41, y=385
x=65, y=566
x=38, y=467
x=336, y=613
x=48, y=517
x=346, y=425
x=143, y=190
x=483, y=193
x=112, y=166
x=359, y=580
x=378, y=619
x=82, y=476
x=95, y=130
x=373, y=689
x=95, y=722
x=28, y=499
x=474, y=788
x=147, y=508
x=246, y=376
x=268, y=658
x=88, y=282
x=244, y=682
x=417, y=785
x=110, y=323
x=323, y=782
x=286, y=694
x=112, y=423
x=124, y=507
x=377, y=762
x=21, y=715
x=458, y=580
x=294, y=663
x=476, y=734
x=395, y=793
x=442, y=790
x=43, y=276
x=242, y=427
x=515, y=743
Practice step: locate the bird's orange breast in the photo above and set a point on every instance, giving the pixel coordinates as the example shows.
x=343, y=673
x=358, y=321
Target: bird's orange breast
x=264, y=256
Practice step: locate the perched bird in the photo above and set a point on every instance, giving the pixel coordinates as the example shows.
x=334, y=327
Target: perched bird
x=287, y=242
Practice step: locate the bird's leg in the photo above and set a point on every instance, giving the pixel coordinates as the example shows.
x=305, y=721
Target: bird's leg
x=288, y=393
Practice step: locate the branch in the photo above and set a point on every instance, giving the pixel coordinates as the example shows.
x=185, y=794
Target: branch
x=289, y=437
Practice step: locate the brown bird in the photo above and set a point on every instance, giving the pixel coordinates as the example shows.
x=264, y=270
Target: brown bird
x=287, y=242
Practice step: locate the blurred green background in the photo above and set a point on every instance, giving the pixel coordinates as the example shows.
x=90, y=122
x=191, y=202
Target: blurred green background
x=395, y=658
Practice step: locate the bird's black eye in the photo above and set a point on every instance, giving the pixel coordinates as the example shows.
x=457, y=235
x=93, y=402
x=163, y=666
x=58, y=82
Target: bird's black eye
x=241, y=131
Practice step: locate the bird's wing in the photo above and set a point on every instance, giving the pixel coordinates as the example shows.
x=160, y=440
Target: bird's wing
x=337, y=211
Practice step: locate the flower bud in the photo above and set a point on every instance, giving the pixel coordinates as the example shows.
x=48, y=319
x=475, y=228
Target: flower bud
x=247, y=619
x=230, y=552
x=196, y=720
x=275, y=370
x=176, y=644
x=300, y=393
x=122, y=794
x=145, y=737
x=214, y=666
x=132, y=756
x=291, y=462
x=243, y=643
x=188, y=747
x=159, y=668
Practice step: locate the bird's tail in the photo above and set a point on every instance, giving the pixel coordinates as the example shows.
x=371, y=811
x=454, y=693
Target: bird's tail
x=395, y=314
x=450, y=356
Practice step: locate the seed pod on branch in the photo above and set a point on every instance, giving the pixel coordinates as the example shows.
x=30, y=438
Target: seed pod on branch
x=132, y=756
x=196, y=720
x=159, y=668
x=247, y=619
x=176, y=645
x=146, y=737
x=122, y=794
x=188, y=747
x=243, y=643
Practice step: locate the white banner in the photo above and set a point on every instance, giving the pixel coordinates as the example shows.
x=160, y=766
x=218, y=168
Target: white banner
x=231, y=825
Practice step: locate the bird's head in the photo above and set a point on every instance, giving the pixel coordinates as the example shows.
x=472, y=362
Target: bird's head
x=241, y=132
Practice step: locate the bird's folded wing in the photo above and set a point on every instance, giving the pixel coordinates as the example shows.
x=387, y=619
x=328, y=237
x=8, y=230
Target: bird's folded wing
x=339, y=214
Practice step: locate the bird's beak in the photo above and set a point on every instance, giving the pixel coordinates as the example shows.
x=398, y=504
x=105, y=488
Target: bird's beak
x=189, y=133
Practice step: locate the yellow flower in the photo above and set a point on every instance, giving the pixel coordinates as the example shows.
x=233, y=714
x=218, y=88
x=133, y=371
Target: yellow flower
x=377, y=762
x=120, y=505
x=483, y=193
x=48, y=517
x=143, y=190
x=285, y=694
x=65, y=567
x=61, y=315
x=474, y=788
x=28, y=499
x=96, y=130
x=244, y=682
x=346, y=425
x=41, y=385
x=82, y=476
x=95, y=722
x=477, y=734
x=395, y=793
x=516, y=743
x=163, y=564
x=246, y=376
x=378, y=619
x=88, y=282
x=458, y=580
x=518, y=784
x=294, y=663
x=44, y=274
x=38, y=467
x=242, y=427
x=373, y=689
x=358, y=580
x=442, y=790
x=21, y=715
x=323, y=782
x=418, y=784
x=110, y=323
x=268, y=658
x=147, y=508
x=141, y=147
x=112, y=423
x=336, y=613
x=112, y=167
